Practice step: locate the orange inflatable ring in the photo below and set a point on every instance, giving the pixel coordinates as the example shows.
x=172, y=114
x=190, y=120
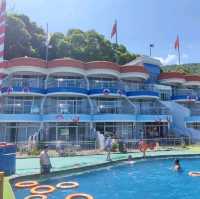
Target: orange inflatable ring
x=26, y=184
x=67, y=185
x=42, y=189
x=194, y=173
x=79, y=195
x=36, y=197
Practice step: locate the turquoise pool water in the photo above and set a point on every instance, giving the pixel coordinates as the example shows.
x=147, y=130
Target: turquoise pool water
x=152, y=179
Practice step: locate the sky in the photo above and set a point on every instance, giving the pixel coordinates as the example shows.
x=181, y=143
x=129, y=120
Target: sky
x=140, y=22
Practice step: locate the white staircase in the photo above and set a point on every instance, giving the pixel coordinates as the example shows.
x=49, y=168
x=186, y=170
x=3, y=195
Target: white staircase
x=179, y=113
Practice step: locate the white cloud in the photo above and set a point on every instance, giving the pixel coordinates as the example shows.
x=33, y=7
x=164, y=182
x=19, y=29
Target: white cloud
x=173, y=59
x=170, y=59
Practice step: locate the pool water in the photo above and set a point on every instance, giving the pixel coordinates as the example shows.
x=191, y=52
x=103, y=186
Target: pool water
x=152, y=179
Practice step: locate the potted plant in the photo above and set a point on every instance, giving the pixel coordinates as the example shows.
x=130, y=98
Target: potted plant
x=114, y=147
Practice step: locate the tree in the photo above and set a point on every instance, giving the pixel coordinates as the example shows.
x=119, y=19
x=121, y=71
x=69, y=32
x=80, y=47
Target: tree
x=17, y=39
x=25, y=38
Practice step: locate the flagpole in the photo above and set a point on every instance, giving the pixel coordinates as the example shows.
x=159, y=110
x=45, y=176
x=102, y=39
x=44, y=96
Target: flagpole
x=116, y=36
x=179, y=57
x=116, y=41
x=150, y=50
x=47, y=45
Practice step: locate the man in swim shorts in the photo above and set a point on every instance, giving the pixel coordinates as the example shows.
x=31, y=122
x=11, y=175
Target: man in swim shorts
x=45, y=164
x=108, y=147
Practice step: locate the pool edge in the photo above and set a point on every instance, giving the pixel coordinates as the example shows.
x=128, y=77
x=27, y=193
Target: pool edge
x=73, y=170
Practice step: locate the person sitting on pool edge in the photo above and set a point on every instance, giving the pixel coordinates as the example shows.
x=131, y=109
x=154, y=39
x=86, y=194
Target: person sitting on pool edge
x=177, y=166
x=45, y=164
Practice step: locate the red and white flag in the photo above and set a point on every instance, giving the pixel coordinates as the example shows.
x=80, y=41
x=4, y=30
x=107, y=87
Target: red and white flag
x=2, y=27
x=114, y=29
x=177, y=43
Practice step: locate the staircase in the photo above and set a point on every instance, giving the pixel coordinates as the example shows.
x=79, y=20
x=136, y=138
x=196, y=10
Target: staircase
x=179, y=113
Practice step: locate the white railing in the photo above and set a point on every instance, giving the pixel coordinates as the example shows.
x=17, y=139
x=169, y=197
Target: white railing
x=76, y=147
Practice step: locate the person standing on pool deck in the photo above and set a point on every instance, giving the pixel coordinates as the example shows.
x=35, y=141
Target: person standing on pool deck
x=45, y=164
x=108, y=147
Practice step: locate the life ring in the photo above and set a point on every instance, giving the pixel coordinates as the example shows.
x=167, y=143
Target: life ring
x=67, y=185
x=42, y=189
x=26, y=184
x=36, y=197
x=194, y=173
x=79, y=195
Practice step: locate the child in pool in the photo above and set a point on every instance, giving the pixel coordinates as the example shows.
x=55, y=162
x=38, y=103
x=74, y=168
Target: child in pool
x=177, y=166
x=130, y=159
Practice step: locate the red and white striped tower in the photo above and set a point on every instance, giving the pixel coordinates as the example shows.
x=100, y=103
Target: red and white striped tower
x=2, y=27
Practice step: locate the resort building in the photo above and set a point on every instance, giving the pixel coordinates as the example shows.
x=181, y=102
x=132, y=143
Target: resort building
x=68, y=100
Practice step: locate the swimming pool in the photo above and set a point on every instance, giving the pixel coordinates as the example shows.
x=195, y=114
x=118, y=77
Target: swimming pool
x=152, y=179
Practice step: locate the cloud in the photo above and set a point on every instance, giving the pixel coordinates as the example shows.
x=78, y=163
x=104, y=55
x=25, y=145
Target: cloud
x=173, y=59
x=170, y=59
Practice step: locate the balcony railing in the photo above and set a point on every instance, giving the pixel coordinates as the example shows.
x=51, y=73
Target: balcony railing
x=102, y=84
x=20, y=108
x=113, y=107
x=24, y=82
x=67, y=107
x=132, y=86
x=66, y=83
x=188, y=92
x=151, y=109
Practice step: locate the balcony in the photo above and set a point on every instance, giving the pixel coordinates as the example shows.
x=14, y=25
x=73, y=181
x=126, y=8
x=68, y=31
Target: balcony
x=17, y=109
x=112, y=110
x=105, y=87
x=185, y=95
x=67, y=86
x=59, y=109
x=140, y=90
x=151, y=108
x=18, y=105
x=112, y=106
x=20, y=85
x=66, y=106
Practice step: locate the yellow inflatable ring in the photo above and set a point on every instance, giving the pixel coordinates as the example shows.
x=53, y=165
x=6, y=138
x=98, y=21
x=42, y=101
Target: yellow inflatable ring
x=42, y=189
x=67, y=185
x=194, y=173
x=26, y=184
x=79, y=195
x=36, y=197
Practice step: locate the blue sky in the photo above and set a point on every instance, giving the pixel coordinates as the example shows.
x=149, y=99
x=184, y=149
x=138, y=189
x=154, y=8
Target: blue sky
x=140, y=22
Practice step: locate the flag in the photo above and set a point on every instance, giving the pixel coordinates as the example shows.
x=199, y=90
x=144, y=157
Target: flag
x=2, y=27
x=177, y=44
x=114, y=29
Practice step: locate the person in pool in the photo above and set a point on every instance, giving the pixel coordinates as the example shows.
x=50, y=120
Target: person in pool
x=130, y=159
x=177, y=166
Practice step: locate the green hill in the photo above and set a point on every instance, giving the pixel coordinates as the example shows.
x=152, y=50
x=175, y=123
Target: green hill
x=185, y=68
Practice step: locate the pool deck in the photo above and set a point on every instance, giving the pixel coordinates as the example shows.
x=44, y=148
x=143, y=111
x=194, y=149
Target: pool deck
x=30, y=166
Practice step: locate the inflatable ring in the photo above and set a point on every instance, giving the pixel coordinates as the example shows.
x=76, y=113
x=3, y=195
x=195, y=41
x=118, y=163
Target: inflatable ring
x=26, y=184
x=42, y=189
x=79, y=195
x=36, y=197
x=194, y=173
x=67, y=185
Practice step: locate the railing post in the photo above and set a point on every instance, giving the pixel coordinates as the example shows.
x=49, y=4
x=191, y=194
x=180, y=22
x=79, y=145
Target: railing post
x=1, y=184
